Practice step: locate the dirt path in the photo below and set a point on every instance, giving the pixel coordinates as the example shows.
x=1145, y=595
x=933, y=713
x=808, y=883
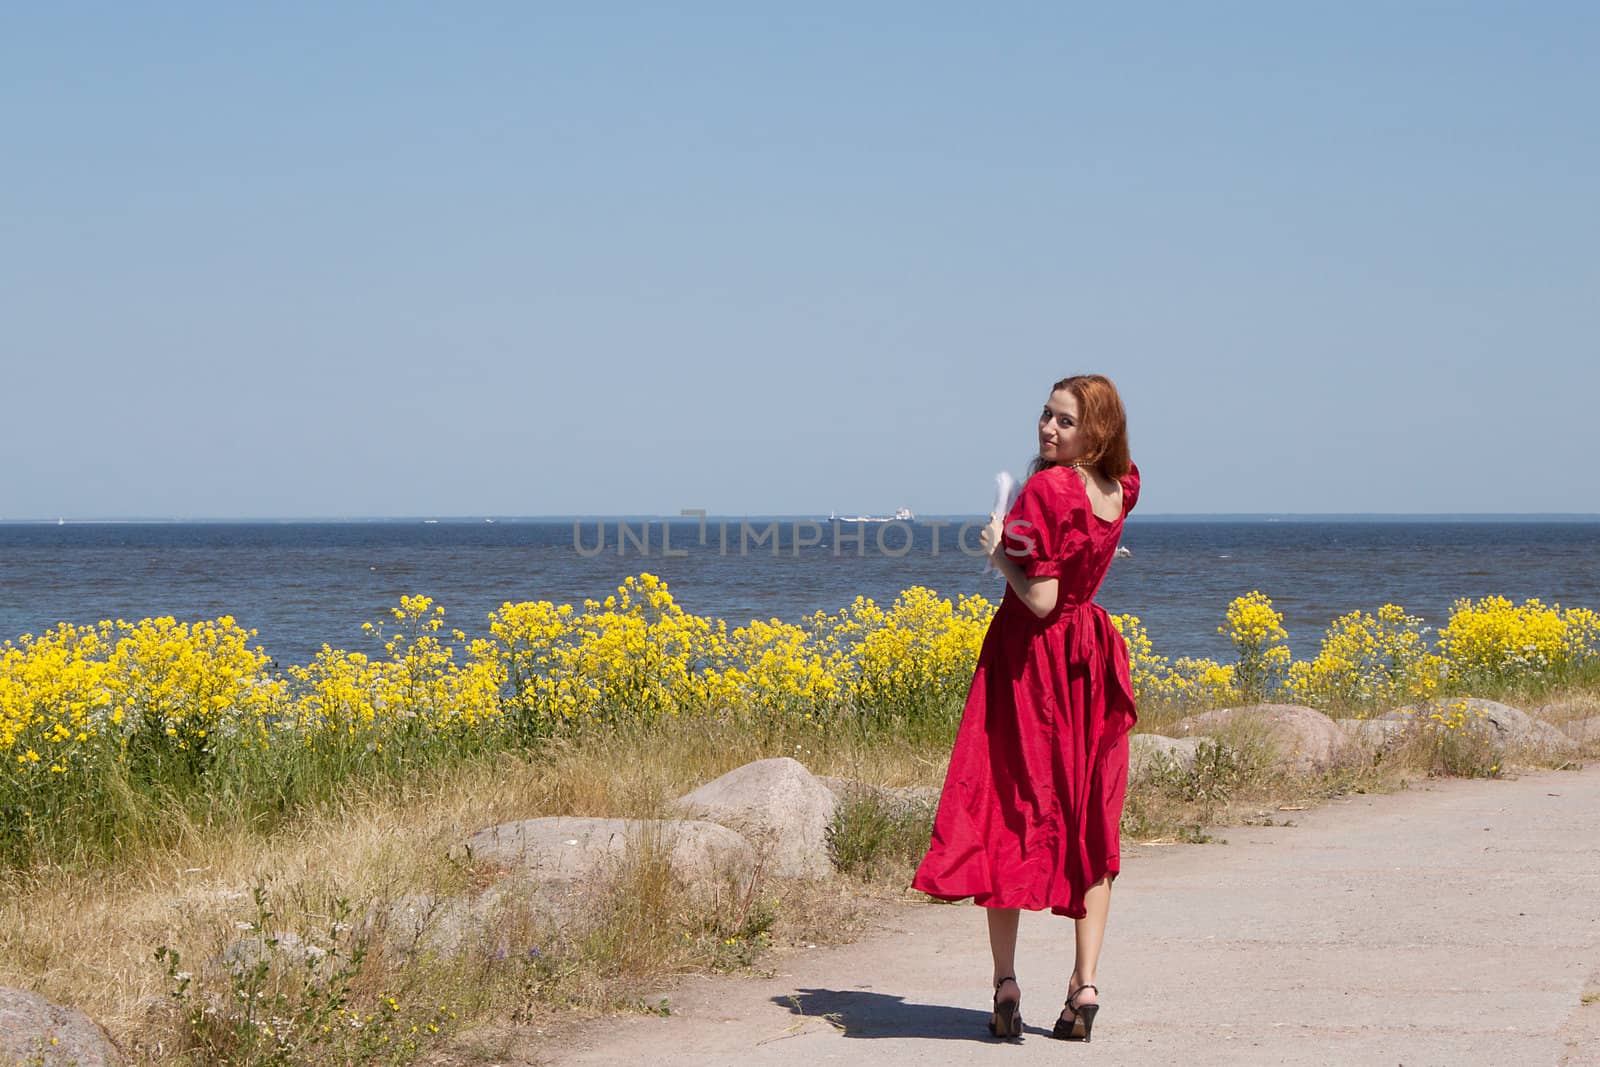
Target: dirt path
x=1454, y=923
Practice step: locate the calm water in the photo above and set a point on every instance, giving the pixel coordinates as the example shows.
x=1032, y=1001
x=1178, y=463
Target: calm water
x=303, y=584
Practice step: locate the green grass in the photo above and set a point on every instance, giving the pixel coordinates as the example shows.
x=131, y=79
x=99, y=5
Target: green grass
x=875, y=835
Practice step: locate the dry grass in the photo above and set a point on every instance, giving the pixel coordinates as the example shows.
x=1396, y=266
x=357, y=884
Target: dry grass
x=87, y=937
x=1243, y=781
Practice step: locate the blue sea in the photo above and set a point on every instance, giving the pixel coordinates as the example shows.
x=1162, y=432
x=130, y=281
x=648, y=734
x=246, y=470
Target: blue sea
x=303, y=584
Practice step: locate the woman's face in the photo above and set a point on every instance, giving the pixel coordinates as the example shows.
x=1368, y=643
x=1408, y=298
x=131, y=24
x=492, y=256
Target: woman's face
x=1061, y=439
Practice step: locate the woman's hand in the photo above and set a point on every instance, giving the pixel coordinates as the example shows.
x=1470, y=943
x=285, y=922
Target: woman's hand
x=992, y=539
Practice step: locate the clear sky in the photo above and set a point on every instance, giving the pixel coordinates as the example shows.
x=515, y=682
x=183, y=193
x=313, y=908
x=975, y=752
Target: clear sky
x=459, y=259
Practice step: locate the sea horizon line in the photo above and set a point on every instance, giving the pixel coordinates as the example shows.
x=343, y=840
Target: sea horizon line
x=637, y=517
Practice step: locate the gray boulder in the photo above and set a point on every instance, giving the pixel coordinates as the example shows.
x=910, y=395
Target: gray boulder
x=1375, y=733
x=483, y=923
x=1508, y=727
x=29, y=1023
x=1305, y=738
x=1586, y=732
x=288, y=949
x=1563, y=711
x=1576, y=717
x=423, y=922
x=566, y=848
x=1146, y=752
x=777, y=804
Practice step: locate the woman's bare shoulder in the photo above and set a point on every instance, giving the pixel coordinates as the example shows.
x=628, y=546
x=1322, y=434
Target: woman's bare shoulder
x=1104, y=493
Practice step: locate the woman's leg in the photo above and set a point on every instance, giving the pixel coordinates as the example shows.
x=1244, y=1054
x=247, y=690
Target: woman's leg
x=1003, y=945
x=1090, y=933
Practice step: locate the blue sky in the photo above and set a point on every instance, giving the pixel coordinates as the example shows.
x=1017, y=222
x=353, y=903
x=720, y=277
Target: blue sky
x=524, y=259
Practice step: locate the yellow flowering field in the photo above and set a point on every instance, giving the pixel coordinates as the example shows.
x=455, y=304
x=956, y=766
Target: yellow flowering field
x=1369, y=661
x=108, y=730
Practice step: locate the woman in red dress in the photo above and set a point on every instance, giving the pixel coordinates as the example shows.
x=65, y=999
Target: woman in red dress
x=1032, y=801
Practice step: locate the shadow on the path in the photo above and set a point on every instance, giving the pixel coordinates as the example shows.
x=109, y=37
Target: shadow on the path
x=863, y=1013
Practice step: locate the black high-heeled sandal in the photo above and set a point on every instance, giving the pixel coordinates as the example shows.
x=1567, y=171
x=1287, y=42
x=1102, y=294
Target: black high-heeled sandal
x=1006, y=1022
x=1081, y=1025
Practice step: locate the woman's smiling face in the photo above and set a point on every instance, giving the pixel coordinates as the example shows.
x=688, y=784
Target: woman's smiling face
x=1061, y=439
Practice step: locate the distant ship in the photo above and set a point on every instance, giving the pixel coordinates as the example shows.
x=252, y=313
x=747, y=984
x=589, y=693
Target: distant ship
x=1121, y=551
x=900, y=515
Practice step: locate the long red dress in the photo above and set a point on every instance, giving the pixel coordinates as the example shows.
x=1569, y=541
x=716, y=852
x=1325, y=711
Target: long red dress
x=1032, y=801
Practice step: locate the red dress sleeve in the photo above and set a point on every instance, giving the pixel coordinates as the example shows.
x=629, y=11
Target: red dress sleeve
x=1130, y=488
x=1039, y=528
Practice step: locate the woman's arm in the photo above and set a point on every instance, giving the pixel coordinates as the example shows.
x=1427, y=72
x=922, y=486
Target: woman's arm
x=1039, y=594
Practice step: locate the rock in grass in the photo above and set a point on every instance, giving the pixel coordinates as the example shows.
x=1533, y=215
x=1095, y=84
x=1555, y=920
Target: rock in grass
x=566, y=848
x=33, y=1030
x=1377, y=733
x=780, y=806
x=1568, y=710
x=451, y=926
x=1583, y=731
x=287, y=948
x=1304, y=737
x=1509, y=728
x=1148, y=751
x=1577, y=717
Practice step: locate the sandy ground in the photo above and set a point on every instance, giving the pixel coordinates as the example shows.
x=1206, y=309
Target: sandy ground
x=1452, y=923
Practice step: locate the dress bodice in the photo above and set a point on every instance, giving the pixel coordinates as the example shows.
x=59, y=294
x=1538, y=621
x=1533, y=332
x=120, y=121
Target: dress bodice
x=1052, y=531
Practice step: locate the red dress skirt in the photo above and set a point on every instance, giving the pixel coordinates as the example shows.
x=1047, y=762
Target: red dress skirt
x=1032, y=802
